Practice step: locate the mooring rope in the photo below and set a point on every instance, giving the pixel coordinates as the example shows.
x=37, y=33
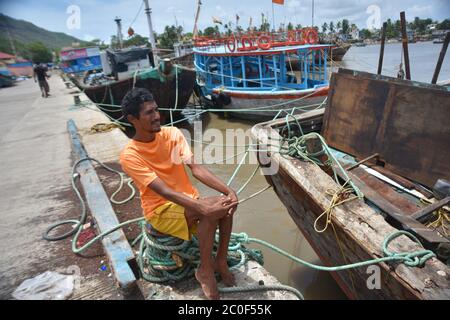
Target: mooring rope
x=169, y=259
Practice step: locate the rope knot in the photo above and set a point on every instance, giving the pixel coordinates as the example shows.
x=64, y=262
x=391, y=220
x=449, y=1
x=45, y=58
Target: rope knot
x=411, y=259
x=243, y=238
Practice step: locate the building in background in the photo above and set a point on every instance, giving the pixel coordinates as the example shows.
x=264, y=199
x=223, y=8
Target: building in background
x=12, y=66
x=76, y=60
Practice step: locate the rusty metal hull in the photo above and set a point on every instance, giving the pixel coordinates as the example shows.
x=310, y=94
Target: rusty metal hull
x=164, y=92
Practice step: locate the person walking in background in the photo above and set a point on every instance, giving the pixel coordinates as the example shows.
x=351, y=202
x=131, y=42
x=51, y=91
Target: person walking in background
x=40, y=72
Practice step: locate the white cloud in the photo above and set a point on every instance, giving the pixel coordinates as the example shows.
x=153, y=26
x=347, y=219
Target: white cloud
x=293, y=5
x=421, y=11
x=88, y=37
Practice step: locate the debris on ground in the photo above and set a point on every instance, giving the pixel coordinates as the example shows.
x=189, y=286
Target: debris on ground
x=46, y=286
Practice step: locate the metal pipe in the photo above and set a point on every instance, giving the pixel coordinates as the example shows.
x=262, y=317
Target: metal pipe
x=119, y=31
x=151, y=36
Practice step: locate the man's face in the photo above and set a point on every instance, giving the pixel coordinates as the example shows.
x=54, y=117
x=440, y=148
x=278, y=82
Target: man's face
x=149, y=118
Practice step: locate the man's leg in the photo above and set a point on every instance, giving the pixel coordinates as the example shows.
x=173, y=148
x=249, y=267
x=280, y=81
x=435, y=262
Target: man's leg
x=221, y=265
x=42, y=89
x=47, y=88
x=206, y=229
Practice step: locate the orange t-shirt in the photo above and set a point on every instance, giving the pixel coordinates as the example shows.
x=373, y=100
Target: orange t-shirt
x=161, y=158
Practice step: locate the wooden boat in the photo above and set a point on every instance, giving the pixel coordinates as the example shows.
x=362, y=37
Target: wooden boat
x=340, y=51
x=171, y=86
x=404, y=122
x=247, y=76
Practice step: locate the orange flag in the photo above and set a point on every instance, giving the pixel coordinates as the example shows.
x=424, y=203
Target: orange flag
x=278, y=1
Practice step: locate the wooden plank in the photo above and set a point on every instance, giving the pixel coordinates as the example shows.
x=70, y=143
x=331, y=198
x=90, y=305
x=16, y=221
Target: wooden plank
x=116, y=246
x=383, y=39
x=405, y=44
x=387, y=192
x=428, y=210
x=405, y=222
x=406, y=124
x=437, y=70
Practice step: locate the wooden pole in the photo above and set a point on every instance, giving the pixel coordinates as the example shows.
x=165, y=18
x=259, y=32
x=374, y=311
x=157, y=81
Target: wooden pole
x=441, y=59
x=383, y=39
x=405, y=45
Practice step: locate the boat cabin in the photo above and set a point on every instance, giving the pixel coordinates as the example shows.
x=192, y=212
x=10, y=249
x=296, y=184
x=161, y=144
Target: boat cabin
x=260, y=63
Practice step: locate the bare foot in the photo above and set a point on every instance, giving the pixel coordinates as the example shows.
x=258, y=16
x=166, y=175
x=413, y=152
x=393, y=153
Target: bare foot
x=227, y=277
x=208, y=284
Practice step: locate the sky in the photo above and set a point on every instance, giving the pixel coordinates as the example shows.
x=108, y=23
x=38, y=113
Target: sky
x=89, y=19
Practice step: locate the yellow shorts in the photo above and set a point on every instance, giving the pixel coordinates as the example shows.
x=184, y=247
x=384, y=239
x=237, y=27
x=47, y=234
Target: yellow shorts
x=170, y=219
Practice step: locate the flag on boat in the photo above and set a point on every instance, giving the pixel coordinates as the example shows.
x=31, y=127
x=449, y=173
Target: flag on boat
x=278, y=1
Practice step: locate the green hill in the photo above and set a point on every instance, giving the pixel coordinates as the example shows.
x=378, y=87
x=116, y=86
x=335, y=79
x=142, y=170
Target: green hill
x=25, y=33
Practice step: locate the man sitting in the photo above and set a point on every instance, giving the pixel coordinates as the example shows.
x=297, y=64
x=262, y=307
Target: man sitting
x=154, y=159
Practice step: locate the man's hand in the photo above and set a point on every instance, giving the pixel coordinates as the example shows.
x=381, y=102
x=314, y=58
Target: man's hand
x=216, y=207
x=233, y=198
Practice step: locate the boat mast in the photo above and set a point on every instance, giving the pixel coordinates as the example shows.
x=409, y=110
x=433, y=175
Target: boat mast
x=312, y=14
x=151, y=37
x=119, y=31
x=197, y=14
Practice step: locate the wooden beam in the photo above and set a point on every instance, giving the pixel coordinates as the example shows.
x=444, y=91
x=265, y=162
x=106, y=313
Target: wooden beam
x=375, y=155
x=428, y=210
x=405, y=44
x=441, y=59
x=383, y=39
x=116, y=245
x=431, y=237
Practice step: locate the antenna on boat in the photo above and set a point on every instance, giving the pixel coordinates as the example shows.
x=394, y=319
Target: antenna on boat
x=197, y=14
x=119, y=31
x=273, y=18
x=151, y=37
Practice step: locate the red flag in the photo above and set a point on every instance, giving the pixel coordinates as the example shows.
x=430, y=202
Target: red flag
x=278, y=1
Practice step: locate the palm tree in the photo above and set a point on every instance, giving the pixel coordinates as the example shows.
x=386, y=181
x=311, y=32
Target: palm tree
x=325, y=27
x=331, y=26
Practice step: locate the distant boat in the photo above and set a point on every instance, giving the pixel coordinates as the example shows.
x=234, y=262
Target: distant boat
x=171, y=85
x=339, y=52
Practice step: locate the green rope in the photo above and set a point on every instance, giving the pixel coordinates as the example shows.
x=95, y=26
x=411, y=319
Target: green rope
x=411, y=259
x=156, y=256
x=163, y=259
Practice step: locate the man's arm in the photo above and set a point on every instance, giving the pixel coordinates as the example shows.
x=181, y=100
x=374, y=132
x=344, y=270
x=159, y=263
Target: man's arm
x=208, y=208
x=205, y=176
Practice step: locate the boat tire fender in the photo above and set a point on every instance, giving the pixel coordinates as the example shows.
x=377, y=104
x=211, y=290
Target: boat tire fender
x=312, y=36
x=231, y=44
x=225, y=99
x=264, y=43
x=247, y=44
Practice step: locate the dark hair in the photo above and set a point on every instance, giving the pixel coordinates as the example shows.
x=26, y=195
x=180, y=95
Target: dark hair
x=133, y=100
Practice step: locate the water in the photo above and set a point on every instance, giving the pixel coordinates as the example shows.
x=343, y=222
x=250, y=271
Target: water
x=265, y=217
x=423, y=58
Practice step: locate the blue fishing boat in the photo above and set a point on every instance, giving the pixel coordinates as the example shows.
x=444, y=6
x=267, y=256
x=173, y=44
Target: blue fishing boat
x=252, y=77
